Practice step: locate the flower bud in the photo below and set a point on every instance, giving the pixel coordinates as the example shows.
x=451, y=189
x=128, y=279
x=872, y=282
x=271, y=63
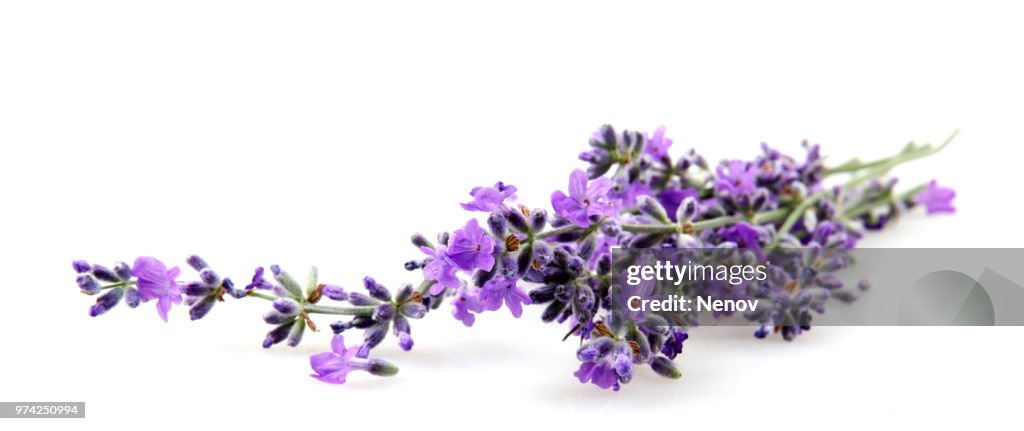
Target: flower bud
x=286, y=306
x=371, y=338
x=209, y=277
x=542, y=294
x=123, y=271
x=106, y=301
x=105, y=274
x=131, y=297
x=384, y=312
x=538, y=219
x=87, y=284
x=340, y=326
x=195, y=288
x=604, y=264
x=829, y=281
x=413, y=265
x=275, y=317
x=652, y=208
x=498, y=224
x=336, y=293
x=687, y=209
x=414, y=310
x=201, y=308
x=421, y=241
x=587, y=247
x=524, y=261
x=295, y=335
x=664, y=367
x=278, y=334
x=404, y=293
x=380, y=367
x=846, y=295
x=286, y=280
x=575, y=266
x=81, y=266
x=376, y=290
x=517, y=220
x=595, y=348
x=542, y=252
x=197, y=263
x=552, y=311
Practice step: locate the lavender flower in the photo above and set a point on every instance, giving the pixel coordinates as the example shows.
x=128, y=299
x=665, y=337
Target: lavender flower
x=157, y=282
x=658, y=145
x=471, y=247
x=936, y=199
x=502, y=289
x=584, y=201
x=737, y=178
x=334, y=366
x=489, y=199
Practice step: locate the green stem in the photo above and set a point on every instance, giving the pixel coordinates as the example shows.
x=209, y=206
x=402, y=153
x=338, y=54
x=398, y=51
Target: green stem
x=881, y=166
x=325, y=309
x=256, y=294
x=554, y=232
x=792, y=219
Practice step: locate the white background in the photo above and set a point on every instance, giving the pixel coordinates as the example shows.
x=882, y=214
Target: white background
x=317, y=133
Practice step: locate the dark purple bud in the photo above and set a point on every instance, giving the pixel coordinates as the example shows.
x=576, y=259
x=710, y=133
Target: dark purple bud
x=286, y=306
x=604, y=264
x=421, y=241
x=414, y=310
x=196, y=288
x=336, y=293
x=131, y=297
x=575, y=266
x=197, y=263
x=687, y=209
x=81, y=266
x=442, y=238
x=123, y=271
x=564, y=292
x=652, y=208
x=665, y=368
x=413, y=265
x=201, y=308
x=87, y=284
x=517, y=220
x=761, y=332
x=275, y=317
x=611, y=228
x=209, y=277
x=542, y=294
x=384, y=312
x=401, y=326
x=278, y=334
x=275, y=269
x=106, y=301
x=553, y=311
x=538, y=219
x=587, y=247
x=498, y=224
x=371, y=338
x=363, y=322
x=376, y=290
x=521, y=264
x=380, y=367
x=359, y=299
x=105, y=274
x=595, y=349
x=340, y=326
x=760, y=199
x=542, y=253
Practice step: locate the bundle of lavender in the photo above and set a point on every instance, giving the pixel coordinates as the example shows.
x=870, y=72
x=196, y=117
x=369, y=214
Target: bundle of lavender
x=633, y=194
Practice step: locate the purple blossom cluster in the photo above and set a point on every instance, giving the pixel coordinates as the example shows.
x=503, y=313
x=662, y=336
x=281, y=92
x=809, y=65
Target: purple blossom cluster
x=631, y=194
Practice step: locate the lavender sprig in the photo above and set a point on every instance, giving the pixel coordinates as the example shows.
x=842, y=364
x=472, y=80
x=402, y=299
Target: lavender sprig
x=632, y=194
